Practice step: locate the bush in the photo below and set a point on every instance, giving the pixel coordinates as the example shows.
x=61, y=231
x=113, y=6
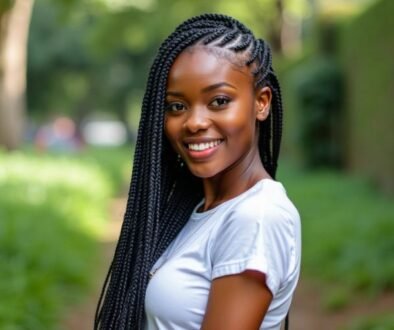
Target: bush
x=319, y=95
x=52, y=212
x=347, y=232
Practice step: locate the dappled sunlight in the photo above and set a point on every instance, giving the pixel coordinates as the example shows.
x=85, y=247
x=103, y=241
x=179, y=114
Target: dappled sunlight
x=68, y=184
x=54, y=214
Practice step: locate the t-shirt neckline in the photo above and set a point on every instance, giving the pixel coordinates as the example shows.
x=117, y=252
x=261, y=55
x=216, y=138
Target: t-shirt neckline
x=197, y=216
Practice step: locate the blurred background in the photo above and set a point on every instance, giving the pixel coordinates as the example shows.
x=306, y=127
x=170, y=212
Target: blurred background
x=72, y=76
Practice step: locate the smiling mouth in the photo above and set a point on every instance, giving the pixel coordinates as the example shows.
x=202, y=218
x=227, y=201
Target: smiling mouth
x=203, y=146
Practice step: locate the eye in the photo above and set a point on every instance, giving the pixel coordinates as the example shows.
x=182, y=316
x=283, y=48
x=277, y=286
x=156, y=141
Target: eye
x=220, y=101
x=174, y=107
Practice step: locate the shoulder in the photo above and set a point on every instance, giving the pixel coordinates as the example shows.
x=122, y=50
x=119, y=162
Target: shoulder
x=265, y=211
x=268, y=205
x=260, y=232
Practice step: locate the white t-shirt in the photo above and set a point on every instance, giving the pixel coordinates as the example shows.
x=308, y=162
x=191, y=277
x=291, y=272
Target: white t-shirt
x=257, y=230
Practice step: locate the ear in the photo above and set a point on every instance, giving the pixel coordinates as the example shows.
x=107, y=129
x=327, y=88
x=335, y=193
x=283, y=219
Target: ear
x=263, y=97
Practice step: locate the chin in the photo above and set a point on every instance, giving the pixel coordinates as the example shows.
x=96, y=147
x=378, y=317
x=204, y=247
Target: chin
x=203, y=173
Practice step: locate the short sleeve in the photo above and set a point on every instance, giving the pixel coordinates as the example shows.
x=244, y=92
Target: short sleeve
x=248, y=241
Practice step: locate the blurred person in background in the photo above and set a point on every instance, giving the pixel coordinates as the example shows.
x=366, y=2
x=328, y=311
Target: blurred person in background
x=209, y=240
x=60, y=135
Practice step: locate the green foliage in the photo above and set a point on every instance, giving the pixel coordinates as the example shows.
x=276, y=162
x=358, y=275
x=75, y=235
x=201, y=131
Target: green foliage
x=87, y=56
x=318, y=89
x=336, y=298
x=377, y=322
x=347, y=232
x=116, y=163
x=5, y=5
x=58, y=62
x=363, y=130
x=367, y=49
x=52, y=212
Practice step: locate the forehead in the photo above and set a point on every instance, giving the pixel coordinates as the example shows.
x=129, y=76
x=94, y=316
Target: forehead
x=205, y=65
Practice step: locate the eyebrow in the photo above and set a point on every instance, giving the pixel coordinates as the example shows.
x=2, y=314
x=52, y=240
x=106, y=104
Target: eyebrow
x=218, y=85
x=205, y=89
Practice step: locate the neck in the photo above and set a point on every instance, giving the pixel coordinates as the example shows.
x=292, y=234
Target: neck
x=234, y=181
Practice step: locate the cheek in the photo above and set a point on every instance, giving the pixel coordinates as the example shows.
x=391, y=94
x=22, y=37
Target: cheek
x=240, y=124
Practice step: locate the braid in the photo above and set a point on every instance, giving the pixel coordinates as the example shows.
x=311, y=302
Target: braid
x=162, y=194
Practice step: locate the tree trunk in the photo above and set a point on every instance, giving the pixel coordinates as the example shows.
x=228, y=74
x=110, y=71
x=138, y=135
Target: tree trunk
x=14, y=28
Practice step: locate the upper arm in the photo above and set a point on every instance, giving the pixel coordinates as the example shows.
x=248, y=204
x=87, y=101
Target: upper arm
x=237, y=302
x=250, y=259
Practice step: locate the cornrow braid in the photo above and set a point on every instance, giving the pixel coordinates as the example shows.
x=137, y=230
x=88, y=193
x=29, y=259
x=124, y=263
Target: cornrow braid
x=162, y=193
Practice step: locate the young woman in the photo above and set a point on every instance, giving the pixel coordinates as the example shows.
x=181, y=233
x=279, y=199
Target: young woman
x=210, y=239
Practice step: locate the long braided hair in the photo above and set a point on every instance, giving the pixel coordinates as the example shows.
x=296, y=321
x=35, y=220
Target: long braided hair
x=162, y=193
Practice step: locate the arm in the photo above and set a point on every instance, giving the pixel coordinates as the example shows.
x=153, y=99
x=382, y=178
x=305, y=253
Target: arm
x=237, y=302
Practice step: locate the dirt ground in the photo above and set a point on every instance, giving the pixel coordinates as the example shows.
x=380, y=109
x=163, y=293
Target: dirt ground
x=306, y=312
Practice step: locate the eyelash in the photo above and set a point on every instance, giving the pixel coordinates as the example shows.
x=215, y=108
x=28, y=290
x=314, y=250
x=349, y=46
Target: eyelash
x=169, y=106
x=223, y=99
x=226, y=100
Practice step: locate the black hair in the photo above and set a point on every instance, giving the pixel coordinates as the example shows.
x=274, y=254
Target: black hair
x=163, y=194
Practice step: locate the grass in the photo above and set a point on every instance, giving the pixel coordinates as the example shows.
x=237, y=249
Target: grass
x=52, y=212
x=347, y=233
x=377, y=322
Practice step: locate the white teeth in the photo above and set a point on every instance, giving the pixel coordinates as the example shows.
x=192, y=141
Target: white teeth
x=203, y=146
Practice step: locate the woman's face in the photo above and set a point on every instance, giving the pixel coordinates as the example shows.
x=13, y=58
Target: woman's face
x=211, y=112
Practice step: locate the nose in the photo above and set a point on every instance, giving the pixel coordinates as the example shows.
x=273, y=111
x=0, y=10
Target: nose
x=197, y=119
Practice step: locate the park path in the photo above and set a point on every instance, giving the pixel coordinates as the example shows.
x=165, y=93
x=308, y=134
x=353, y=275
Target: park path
x=306, y=312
